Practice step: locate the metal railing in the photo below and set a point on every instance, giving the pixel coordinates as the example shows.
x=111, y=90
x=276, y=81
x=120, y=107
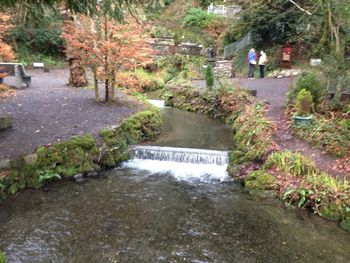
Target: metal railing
x=238, y=45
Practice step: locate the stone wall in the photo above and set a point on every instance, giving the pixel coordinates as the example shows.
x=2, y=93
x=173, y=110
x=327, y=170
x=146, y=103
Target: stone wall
x=163, y=45
x=224, y=68
x=191, y=49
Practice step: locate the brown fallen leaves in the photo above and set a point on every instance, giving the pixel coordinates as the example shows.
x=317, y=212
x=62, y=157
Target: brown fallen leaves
x=6, y=92
x=342, y=165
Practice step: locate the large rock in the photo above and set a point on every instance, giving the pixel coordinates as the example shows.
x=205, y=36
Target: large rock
x=31, y=159
x=224, y=68
x=5, y=164
x=5, y=123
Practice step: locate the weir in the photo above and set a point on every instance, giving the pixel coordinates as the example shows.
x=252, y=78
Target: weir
x=182, y=155
x=157, y=103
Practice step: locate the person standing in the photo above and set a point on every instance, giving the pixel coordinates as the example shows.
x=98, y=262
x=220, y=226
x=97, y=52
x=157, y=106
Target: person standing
x=262, y=61
x=251, y=59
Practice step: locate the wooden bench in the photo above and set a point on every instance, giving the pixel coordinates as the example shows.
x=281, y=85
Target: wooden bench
x=17, y=70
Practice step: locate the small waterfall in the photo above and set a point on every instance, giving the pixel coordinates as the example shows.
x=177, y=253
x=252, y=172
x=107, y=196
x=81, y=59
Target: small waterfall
x=157, y=103
x=182, y=155
x=183, y=163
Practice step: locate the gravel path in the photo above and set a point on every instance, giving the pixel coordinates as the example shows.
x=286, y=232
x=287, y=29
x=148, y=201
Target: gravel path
x=274, y=91
x=51, y=111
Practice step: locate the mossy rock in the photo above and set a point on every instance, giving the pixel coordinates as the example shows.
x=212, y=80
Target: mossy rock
x=2, y=257
x=345, y=224
x=68, y=158
x=260, y=180
x=330, y=211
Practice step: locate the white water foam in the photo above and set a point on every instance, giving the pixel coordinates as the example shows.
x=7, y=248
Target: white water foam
x=183, y=155
x=181, y=171
x=157, y=103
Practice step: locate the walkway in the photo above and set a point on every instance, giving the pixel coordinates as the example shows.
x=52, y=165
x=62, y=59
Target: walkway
x=51, y=111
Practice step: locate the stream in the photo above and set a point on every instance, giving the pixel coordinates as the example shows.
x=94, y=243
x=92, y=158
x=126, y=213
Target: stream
x=173, y=202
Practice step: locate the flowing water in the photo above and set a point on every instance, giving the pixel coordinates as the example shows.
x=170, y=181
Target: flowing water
x=155, y=208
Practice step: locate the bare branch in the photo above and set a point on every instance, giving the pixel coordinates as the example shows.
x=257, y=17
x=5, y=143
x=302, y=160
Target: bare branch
x=300, y=8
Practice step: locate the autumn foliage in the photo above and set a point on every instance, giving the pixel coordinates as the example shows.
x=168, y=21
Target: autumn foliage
x=107, y=47
x=6, y=53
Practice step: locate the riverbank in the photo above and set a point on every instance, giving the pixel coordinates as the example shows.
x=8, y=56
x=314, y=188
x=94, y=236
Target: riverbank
x=258, y=161
x=60, y=132
x=80, y=156
x=50, y=112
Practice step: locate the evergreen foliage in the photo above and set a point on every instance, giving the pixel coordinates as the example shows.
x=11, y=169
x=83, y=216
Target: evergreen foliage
x=196, y=17
x=209, y=77
x=304, y=103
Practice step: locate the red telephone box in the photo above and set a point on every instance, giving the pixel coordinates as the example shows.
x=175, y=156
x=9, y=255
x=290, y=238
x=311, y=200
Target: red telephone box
x=286, y=60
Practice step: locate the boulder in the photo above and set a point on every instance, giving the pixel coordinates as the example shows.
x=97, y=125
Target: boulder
x=31, y=159
x=79, y=178
x=5, y=164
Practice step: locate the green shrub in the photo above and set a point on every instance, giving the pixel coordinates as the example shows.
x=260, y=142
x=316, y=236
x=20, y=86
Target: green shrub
x=209, y=77
x=309, y=82
x=196, y=17
x=41, y=34
x=304, y=104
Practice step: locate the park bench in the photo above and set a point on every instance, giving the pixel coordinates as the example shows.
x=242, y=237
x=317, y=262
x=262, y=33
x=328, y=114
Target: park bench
x=17, y=70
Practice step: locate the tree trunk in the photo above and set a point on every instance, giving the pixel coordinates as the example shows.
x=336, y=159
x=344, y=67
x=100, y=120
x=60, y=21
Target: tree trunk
x=77, y=76
x=106, y=61
x=113, y=85
x=97, y=93
x=107, y=89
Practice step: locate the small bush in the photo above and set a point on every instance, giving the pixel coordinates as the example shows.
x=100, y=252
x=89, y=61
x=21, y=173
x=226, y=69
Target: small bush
x=209, y=77
x=309, y=82
x=304, y=103
x=196, y=17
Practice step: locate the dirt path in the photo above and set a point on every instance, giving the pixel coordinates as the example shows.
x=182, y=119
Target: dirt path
x=50, y=111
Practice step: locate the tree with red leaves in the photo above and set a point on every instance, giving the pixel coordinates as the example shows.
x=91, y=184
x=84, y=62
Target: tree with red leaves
x=6, y=53
x=107, y=46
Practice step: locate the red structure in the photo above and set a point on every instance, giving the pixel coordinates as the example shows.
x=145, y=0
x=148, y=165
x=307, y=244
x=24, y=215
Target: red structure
x=286, y=59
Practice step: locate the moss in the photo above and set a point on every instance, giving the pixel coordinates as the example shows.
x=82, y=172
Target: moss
x=70, y=157
x=260, y=180
x=2, y=257
x=345, y=224
x=81, y=154
x=331, y=212
x=139, y=127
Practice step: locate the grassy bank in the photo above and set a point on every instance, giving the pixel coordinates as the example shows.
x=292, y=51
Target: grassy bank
x=256, y=160
x=81, y=155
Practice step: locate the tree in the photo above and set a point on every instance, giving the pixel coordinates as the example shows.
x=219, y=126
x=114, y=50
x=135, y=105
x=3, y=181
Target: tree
x=68, y=8
x=107, y=46
x=209, y=77
x=6, y=53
